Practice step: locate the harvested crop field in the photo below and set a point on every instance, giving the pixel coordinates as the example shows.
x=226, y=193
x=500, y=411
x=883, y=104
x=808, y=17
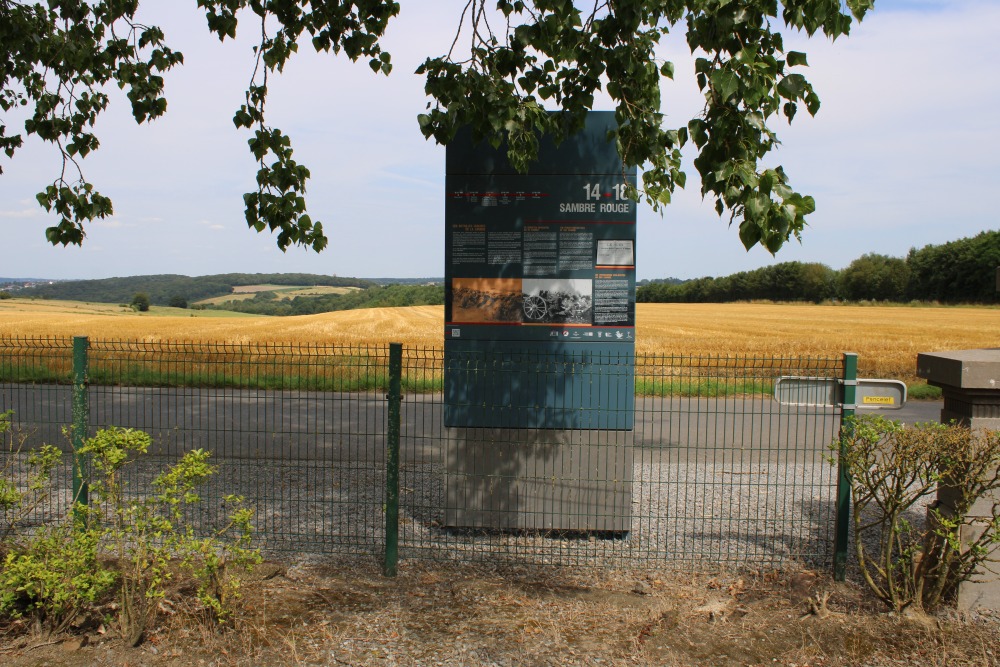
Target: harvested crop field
x=886, y=338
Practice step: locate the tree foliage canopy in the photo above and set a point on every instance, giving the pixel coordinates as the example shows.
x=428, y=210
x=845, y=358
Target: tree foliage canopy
x=875, y=276
x=163, y=289
x=524, y=59
x=961, y=271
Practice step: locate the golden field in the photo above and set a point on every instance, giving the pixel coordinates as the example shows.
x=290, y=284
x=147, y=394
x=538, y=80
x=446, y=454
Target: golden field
x=281, y=292
x=886, y=338
x=412, y=326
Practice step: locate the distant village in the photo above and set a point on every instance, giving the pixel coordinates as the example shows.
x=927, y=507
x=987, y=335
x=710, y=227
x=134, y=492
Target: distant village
x=15, y=284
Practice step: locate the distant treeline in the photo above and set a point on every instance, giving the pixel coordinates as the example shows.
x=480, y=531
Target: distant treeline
x=963, y=271
x=167, y=289
x=267, y=303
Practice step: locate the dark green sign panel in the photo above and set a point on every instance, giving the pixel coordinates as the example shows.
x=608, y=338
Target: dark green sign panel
x=540, y=286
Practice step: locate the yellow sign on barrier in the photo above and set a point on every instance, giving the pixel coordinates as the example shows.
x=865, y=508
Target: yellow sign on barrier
x=870, y=394
x=878, y=400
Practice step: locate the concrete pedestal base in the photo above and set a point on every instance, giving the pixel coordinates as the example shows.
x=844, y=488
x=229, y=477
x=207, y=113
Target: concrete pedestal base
x=973, y=594
x=979, y=594
x=539, y=479
x=978, y=408
x=970, y=383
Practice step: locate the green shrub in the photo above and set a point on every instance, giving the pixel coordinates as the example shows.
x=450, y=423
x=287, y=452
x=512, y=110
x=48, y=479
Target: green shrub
x=61, y=571
x=140, y=302
x=17, y=501
x=892, y=469
x=55, y=573
x=217, y=563
x=55, y=577
x=146, y=535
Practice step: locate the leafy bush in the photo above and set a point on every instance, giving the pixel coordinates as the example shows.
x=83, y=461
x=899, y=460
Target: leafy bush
x=146, y=535
x=919, y=564
x=56, y=573
x=63, y=570
x=18, y=500
x=53, y=578
x=140, y=302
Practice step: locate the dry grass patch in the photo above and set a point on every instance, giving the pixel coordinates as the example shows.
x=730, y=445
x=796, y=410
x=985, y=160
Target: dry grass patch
x=216, y=300
x=12, y=310
x=330, y=613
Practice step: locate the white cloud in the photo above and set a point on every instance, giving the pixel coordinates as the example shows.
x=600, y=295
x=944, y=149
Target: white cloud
x=22, y=214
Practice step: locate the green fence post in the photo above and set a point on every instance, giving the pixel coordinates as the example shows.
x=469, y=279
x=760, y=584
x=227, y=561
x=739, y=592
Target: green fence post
x=843, y=479
x=392, y=461
x=81, y=419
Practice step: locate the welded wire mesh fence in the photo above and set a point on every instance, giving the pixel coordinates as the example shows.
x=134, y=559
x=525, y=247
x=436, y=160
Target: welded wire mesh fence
x=36, y=416
x=713, y=470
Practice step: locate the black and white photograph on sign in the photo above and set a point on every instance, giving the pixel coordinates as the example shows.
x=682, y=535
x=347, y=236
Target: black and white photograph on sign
x=485, y=300
x=558, y=301
x=615, y=252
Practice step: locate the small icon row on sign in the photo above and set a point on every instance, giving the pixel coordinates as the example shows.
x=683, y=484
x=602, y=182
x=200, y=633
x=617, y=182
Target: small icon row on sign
x=566, y=333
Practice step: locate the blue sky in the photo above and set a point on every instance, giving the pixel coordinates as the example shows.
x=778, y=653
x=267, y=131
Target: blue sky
x=904, y=152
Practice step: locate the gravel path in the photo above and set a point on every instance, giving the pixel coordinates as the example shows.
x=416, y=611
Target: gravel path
x=684, y=511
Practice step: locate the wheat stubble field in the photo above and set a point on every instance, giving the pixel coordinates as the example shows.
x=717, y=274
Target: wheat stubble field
x=886, y=338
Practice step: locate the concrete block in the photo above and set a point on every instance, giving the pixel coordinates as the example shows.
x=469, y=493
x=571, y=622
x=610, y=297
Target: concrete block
x=963, y=417
x=966, y=369
x=984, y=591
x=539, y=479
x=982, y=508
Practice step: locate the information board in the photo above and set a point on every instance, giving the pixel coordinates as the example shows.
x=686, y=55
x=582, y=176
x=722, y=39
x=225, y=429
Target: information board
x=540, y=267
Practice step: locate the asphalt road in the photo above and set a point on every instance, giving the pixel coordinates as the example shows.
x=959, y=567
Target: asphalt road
x=259, y=424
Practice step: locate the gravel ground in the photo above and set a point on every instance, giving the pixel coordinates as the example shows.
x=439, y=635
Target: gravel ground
x=686, y=514
x=723, y=565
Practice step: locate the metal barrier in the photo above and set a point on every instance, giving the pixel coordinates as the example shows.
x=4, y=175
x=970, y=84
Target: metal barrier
x=714, y=470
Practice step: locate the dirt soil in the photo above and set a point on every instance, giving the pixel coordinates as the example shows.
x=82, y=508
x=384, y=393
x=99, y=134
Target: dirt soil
x=331, y=613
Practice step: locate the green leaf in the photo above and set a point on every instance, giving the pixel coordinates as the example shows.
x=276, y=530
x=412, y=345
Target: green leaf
x=792, y=86
x=758, y=204
x=812, y=103
x=774, y=242
x=725, y=84
x=796, y=58
x=699, y=131
x=749, y=234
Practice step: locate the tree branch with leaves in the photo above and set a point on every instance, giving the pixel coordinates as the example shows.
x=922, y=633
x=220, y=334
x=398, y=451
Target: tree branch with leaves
x=524, y=60
x=560, y=56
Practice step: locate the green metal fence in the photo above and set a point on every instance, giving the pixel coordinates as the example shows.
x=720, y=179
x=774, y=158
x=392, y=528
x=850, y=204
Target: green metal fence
x=714, y=470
